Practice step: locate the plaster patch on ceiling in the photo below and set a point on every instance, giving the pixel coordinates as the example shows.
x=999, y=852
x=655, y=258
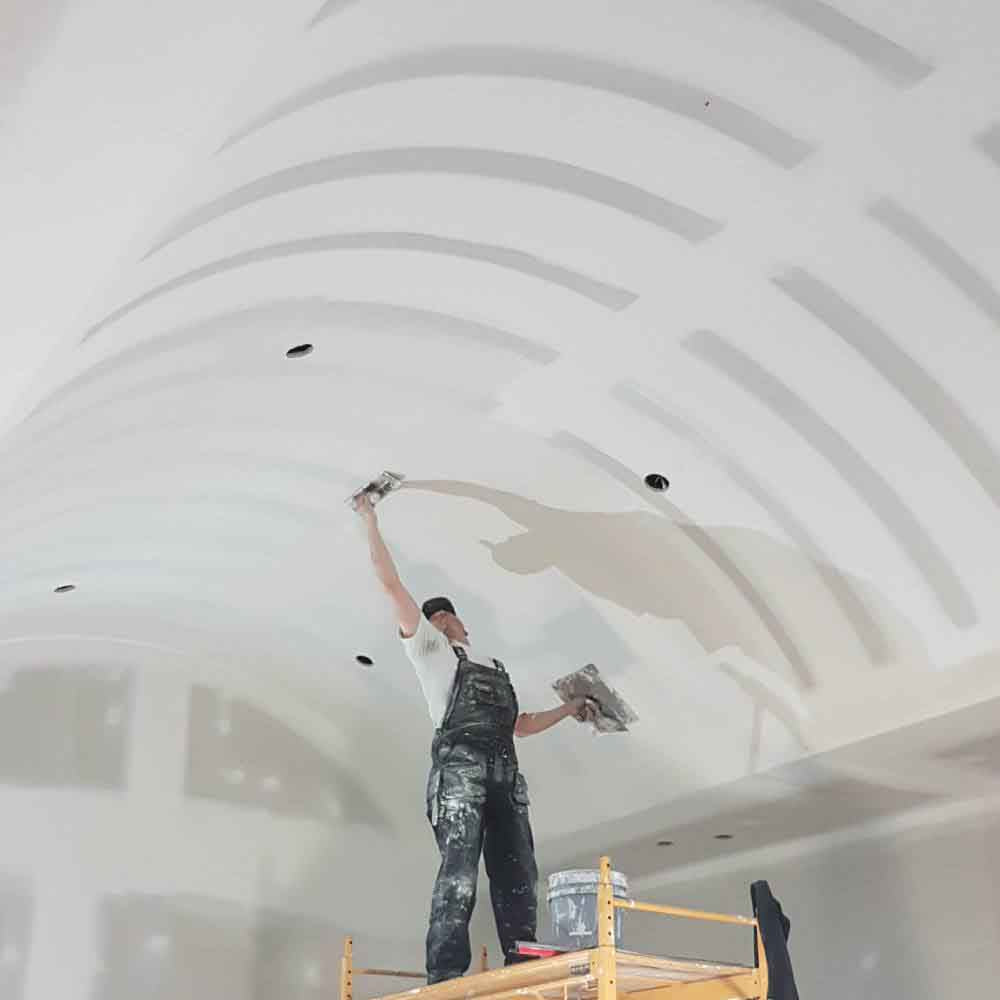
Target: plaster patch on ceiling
x=781, y=697
x=314, y=316
x=678, y=97
x=578, y=544
x=926, y=395
x=602, y=293
x=329, y=9
x=871, y=486
x=883, y=56
x=489, y=164
x=852, y=606
x=939, y=254
x=711, y=548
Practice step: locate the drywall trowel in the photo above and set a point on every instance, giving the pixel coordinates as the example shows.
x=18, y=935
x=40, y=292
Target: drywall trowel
x=379, y=488
x=612, y=714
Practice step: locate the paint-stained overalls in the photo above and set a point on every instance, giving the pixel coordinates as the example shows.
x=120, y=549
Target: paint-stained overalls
x=477, y=803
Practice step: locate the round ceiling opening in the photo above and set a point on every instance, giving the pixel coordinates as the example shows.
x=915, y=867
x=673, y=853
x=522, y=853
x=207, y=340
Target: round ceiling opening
x=657, y=482
x=300, y=351
x=65, y=588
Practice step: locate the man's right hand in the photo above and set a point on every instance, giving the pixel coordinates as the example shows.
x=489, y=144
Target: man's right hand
x=365, y=507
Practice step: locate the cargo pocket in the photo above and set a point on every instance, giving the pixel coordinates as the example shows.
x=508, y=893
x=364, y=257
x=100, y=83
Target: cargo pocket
x=520, y=792
x=433, y=795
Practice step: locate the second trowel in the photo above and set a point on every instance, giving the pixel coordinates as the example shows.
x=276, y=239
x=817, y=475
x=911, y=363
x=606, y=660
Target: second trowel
x=612, y=713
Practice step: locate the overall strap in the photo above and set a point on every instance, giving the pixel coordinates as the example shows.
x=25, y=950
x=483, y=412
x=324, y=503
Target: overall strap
x=456, y=683
x=463, y=656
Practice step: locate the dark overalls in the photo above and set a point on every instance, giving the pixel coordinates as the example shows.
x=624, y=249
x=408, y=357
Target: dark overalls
x=477, y=803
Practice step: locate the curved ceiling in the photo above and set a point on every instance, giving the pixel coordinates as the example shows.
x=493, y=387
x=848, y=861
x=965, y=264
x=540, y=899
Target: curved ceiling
x=540, y=251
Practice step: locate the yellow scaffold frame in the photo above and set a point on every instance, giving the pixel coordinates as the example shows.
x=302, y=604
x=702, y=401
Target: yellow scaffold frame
x=602, y=973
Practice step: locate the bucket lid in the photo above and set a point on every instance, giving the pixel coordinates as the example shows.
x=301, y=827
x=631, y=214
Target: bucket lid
x=582, y=878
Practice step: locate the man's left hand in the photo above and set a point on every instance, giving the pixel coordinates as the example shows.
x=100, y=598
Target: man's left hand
x=584, y=709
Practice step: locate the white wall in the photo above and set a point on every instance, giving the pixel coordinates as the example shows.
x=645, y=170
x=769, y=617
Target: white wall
x=912, y=914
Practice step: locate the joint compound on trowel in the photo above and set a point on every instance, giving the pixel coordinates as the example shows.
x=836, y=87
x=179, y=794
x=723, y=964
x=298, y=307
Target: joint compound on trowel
x=378, y=489
x=612, y=714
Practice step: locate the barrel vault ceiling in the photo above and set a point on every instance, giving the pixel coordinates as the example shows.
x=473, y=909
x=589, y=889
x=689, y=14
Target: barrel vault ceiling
x=540, y=251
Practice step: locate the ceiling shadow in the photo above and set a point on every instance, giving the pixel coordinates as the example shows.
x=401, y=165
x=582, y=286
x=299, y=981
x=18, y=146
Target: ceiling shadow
x=168, y=947
x=648, y=564
x=239, y=754
x=65, y=727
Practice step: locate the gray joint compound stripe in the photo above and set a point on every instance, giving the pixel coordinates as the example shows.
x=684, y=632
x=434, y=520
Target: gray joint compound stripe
x=555, y=175
x=673, y=96
x=607, y=295
x=989, y=143
x=928, y=397
x=375, y=316
x=708, y=546
x=329, y=9
x=944, y=258
x=897, y=518
x=851, y=605
x=882, y=55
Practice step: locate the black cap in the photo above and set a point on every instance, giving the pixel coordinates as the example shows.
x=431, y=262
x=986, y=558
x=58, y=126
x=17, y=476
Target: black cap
x=436, y=604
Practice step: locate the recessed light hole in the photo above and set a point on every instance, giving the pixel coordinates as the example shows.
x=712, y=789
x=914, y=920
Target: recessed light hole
x=723, y=836
x=657, y=482
x=300, y=351
x=664, y=843
x=65, y=588
x=365, y=661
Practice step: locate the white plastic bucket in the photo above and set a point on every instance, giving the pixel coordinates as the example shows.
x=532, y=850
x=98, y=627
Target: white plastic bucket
x=572, y=899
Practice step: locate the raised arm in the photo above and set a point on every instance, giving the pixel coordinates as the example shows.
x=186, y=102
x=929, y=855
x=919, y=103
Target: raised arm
x=407, y=612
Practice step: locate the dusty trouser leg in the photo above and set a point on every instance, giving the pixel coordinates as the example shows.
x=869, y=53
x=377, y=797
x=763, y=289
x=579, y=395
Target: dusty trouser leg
x=510, y=863
x=456, y=805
